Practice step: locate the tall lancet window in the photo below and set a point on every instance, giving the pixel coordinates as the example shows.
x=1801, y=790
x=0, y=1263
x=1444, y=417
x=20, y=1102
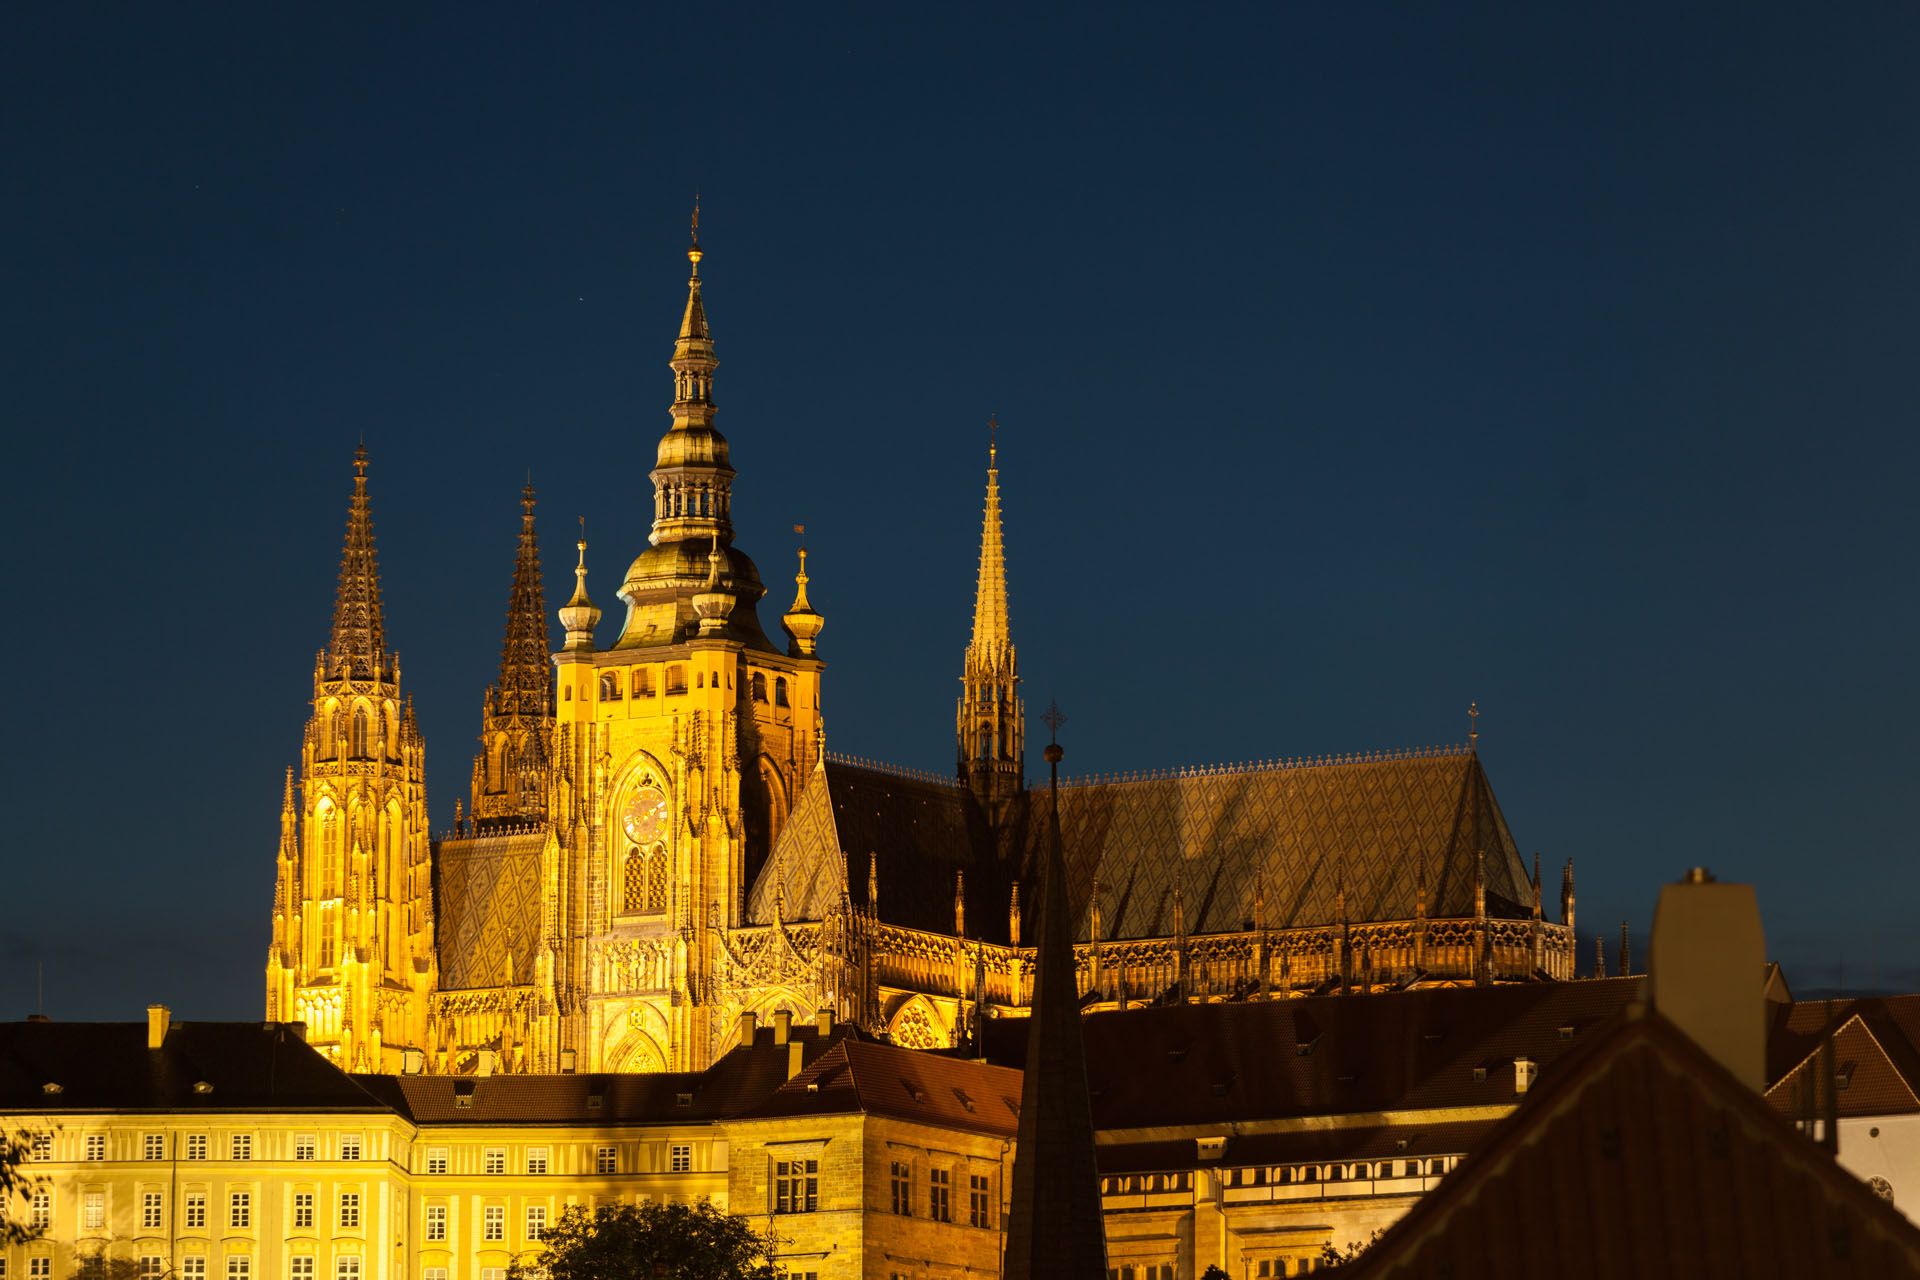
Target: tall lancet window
x=360, y=733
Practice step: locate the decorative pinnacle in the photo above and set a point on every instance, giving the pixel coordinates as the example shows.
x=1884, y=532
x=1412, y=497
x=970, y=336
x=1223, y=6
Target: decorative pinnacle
x=693, y=249
x=802, y=621
x=580, y=615
x=1054, y=718
x=1473, y=725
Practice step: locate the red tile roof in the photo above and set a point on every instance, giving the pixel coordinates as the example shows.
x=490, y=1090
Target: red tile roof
x=1644, y=1157
x=880, y=1079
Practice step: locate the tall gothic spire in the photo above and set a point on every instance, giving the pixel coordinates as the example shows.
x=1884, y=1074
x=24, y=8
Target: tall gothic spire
x=991, y=723
x=525, y=669
x=1055, y=1228
x=357, y=649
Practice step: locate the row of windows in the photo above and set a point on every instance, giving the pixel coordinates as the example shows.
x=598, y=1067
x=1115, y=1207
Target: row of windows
x=539, y=1160
x=93, y=1210
x=640, y=683
x=197, y=1146
x=940, y=1194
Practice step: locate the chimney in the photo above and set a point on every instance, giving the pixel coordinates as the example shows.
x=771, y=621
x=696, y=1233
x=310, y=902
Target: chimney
x=1525, y=1072
x=782, y=1025
x=823, y=1023
x=748, y=1024
x=158, y=1018
x=412, y=1062
x=796, y=1057
x=1705, y=968
x=484, y=1067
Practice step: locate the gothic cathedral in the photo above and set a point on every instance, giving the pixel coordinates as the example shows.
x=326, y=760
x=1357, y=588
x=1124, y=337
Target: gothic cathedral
x=656, y=851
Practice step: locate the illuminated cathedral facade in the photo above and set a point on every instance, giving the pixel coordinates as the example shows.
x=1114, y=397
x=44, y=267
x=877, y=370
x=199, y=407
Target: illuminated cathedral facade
x=655, y=842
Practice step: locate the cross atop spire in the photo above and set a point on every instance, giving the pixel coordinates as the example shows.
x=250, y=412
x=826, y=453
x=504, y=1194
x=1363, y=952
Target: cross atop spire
x=357, y=648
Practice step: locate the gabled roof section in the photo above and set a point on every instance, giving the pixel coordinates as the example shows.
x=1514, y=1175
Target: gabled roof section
x=921, y=832
x=1876, y=1067
x=201, y=1066
x=882, y=1079
x=1642, y=1156
x=487, y=896
x=1286, y=833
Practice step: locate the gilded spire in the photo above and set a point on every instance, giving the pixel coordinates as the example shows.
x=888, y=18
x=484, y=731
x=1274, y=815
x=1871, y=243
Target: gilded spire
x=992, y=643
x=692, y=476
x=357, y=649
x=524, y=665
x=802, y=621
x=580, y=615
x=991, y=722
x=693, y=326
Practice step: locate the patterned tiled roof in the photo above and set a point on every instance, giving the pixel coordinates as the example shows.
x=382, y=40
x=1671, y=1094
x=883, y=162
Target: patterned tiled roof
x=487, y=916
x=1289, y=834
x=1875, y=1056
x=1644, y=1157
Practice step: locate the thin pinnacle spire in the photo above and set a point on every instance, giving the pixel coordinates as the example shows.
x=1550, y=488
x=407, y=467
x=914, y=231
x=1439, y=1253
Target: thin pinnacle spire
x=992, y=628
x=357, y=648
x=524, y=662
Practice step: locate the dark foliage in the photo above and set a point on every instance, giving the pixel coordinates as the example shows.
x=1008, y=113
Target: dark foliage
x=638, y=1242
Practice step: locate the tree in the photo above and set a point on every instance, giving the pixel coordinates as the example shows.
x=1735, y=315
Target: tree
x=1214, y=1272
x=16, y=1184
x=1332, y=1257
x=638, y=1242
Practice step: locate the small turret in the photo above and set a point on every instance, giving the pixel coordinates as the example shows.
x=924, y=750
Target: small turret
x=714, y=602
x=580, y=615
x=802, y=621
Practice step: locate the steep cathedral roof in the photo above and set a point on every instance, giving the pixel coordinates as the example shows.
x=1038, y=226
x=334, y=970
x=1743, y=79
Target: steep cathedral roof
x=487, y=899
x=1279, y=844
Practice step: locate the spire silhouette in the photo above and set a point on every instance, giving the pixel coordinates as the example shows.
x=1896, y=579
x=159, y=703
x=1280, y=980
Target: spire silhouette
x=357, y=648
x=525, y=669
x=991, y=722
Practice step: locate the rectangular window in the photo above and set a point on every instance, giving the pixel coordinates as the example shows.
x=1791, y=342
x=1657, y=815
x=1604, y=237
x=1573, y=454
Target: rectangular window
x=979, y=1203
x=436, y=1222
x=494, y=1223
x=152, y=1266
x=96, y=1146
x=679, y=1158
x=939, y=1195
x=496, y=1160
x=536, y=1160
x=349, y=1146
x=193, y=1268
x=196, y=1146
x=303, y=1210
x=493, y=1273
x=346, y=1269
x=536, y=1221
x=434, y=1273
x=42, y=1269
x=150, y=1210
x=642, y=682
x=436, y=1159
x=239, y=1210
x=300, y=1267
x=93, y=1211
x=796, y=1186
x=900, y=1176
x=349, y=1210
x=43, y=1146
x=241, y=1147
x=606, y=1160
x=239, y=1266
x=676, y=679
x=304, y=1146
x=197, y=1212
x=153, y=1146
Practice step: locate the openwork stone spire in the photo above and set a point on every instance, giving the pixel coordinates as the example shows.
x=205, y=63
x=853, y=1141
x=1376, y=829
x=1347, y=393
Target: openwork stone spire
x=510, y=773
x=1055, y=1230
x=357, y=649
x=525, y=668
x=991, y=723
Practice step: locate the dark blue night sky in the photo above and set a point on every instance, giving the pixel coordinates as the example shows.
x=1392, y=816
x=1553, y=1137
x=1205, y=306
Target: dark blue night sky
x=1351, y=365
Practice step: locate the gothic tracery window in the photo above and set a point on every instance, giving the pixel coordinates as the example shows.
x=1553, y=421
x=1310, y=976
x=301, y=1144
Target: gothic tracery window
x=634, y=878
x=657, y=880
x=360, y=733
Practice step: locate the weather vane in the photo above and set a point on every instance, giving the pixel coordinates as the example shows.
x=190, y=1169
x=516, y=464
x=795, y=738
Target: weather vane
x=696, y=217
x=1054, y=718
x=1473, y=723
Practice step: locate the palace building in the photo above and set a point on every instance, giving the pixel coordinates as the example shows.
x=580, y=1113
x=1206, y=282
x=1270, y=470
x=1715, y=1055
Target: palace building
x=656, y=843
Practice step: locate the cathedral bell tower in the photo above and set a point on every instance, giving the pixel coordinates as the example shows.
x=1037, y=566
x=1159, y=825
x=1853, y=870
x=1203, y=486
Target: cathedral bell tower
x=352, y=953
x=991, y=723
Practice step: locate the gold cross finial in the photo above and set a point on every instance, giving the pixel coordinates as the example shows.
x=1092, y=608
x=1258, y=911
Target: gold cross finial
x=1054, y=718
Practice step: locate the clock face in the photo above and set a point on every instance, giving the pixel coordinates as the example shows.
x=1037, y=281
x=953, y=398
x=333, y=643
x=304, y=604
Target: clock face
x=645, y=817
